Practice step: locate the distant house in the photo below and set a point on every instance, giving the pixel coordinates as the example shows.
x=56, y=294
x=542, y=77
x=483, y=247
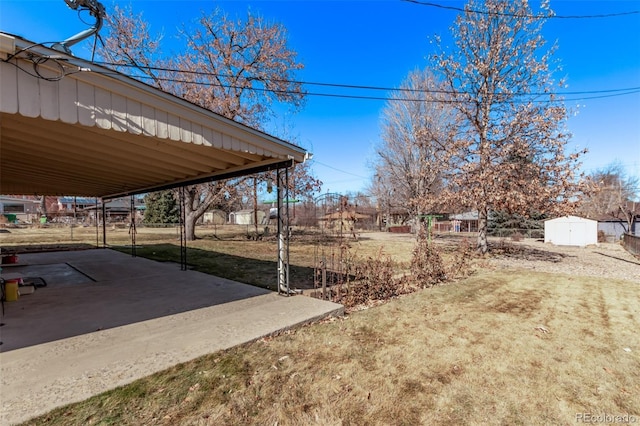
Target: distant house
x=464, y=222
x=393, y=216
x=571, y=231
x=614, y=228
x=343, y=220
x=117, y=210
x=71, y=204
x=21, y=209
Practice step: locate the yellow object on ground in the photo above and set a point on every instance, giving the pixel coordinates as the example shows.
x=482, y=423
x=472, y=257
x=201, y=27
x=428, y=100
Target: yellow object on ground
x=11, y=290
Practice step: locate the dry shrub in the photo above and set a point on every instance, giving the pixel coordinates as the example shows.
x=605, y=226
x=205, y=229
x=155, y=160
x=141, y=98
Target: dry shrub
x=517, y=236
x=602, y=237
x=505, y=248
x=427, y=265
x=373, y=280
x=460, y=264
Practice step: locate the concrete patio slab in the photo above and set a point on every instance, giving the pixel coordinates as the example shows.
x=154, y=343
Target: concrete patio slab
x=65, y=343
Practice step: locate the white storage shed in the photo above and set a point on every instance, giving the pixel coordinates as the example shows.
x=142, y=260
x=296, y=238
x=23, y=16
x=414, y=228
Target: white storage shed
x=246, y=217
x=571, y=231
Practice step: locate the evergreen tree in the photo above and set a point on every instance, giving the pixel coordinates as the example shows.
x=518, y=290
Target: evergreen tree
x=503, y=223
x=161, y=208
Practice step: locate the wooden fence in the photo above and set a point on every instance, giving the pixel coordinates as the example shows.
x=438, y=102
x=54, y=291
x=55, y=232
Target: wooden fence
x=632, y=244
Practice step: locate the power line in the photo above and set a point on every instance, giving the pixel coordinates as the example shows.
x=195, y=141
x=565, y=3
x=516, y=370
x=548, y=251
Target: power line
x=396, y=99
x=338, y=170
x=523, y=15
x=609, y=92
x=603, y=93
x=620, y=92
x=343, y=85
x=302, y=82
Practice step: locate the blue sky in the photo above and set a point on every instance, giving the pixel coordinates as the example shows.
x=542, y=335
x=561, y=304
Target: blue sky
x=377, y=43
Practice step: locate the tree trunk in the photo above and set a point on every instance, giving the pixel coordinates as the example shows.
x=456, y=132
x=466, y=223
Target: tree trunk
x=483, y=247
x=43, y=206
x=629, y=216
x=194, y=208
x=190, y=219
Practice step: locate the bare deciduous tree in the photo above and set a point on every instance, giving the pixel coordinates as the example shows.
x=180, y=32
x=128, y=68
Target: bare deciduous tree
x=615, y=195
x=130, y=44
x=235, y=68
x=413, y=157
x=241, y=68
x=511, y=139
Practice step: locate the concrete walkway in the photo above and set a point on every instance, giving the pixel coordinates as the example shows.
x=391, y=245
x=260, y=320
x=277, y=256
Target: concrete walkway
x=106, y=319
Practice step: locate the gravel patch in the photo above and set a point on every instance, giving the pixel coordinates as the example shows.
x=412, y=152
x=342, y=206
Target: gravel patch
x=606, y=260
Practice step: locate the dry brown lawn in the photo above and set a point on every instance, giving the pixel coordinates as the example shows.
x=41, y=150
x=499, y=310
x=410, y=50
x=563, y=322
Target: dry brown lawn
x=52, y=236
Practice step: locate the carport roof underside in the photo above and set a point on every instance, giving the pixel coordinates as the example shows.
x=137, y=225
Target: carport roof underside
x=70, y=127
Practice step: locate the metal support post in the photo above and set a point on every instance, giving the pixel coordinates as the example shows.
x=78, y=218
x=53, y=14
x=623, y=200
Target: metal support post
x=183, y=231
x=132, y=227
x=104, y=224
x=282, y=177
x=74, y=217
x=95, y=217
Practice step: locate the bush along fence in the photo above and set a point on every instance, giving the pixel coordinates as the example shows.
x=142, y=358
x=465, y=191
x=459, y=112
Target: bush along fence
x=632, y=244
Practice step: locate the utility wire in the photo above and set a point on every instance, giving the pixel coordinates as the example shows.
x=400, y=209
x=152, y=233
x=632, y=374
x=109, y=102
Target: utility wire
x=344, y=86
x=338, y=170
x=611, y=93
x=26, y=49
x=605, y=93
x=521, y=15
x=599, y=93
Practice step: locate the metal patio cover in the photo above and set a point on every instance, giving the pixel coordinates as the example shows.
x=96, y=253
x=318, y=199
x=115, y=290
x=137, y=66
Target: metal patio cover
x=70, y=127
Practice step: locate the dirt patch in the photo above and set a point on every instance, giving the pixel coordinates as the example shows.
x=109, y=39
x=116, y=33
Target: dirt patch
x=522, y=303
x=524, y=252
x=605, y=260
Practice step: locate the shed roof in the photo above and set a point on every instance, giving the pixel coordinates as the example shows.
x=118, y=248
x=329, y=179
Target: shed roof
x=570, y=219
x=70, y=127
